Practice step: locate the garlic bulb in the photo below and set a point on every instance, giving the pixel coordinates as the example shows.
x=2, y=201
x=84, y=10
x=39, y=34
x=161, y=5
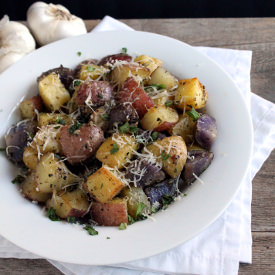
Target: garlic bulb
x=49, y=22
x=15, y=42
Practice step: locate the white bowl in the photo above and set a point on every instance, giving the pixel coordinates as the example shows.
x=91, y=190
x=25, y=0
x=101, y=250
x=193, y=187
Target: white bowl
x=23, y=222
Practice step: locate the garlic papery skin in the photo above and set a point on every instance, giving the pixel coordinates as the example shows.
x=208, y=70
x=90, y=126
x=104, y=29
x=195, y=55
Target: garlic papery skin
x=15, y=42
x=49, y=22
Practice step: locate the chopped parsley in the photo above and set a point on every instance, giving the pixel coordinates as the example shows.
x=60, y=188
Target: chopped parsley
x=131, y=220
x=79, y=53
x=164, y=156
x=91, y=230
x=90, y=68
x=123, y=226
x=140, y=208
x=155, y=136
x=75, y=127
x=105, y=116
x=114, y=149
x=158, y=86
x=154, y=210
x=193, y=113
x=133, y=129
x=124, y=50
x=60, y=121
x=52, y=215
x=18, y=179
x=31, y=135
x=100, y=96
x=108, y=238
x=77, y=83
x=124, y=128
x=71, y=220
x=169, y=103
x=166, y=200
x=184, y=194
x=101, y=185
x=2, y=149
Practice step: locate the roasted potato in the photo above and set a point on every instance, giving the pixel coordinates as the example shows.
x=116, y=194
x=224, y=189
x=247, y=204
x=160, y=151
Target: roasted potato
x=185, y=128
x=101, y=118
x=134, y=196
x=159, y=118
x=17, y=138
x=133, y=93
x=81, y=144
x=111, y=59
x=205, y=131
x=171, y=152
x=53, y=92
x=103, y=185
x=53, y=118
x=69, y=204
x=29, y=107
x=115, y=150
x=161, y=76
x=30, y=157
x=111, y=213
x=92, y=71
x=29, y=190
x=149, y=62
x=52, y=174
x=190, y=92
x=121, y=72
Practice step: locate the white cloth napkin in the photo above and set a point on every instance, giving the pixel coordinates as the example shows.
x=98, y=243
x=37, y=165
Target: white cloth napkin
x=225, y=243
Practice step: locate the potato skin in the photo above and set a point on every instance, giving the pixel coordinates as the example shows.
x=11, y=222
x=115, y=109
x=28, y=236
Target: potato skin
x=112, y=213
x=149, y=62
x=17, y=139
x=133, y=93
x=82, y=144
x=115, y=57
x=28, y=107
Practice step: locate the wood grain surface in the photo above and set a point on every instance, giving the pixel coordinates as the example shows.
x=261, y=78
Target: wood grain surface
x=258, y=35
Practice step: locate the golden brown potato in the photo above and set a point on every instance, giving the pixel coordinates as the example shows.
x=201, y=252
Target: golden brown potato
x=134, y=197
x=112, y=213
x=121, y=72
x=184, y=128
x=52, y=118
x=53, y=92
x=29, y=190
x=149, y=62
x=159, y=118
x=115, y=150
x=69, y=204
x=29, y=107
x=52, y=174
x=100, y=118
x=30, y=157
x=161, y=76
x=190, y=92
x=103, y=185
x=92, y=71
x=171, y=152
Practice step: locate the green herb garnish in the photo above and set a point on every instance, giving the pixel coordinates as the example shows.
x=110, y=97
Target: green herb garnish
x=60, y=121
x=154, y=210
x=2, y=149
x=164, y=156
x=77, y=83
x=18, y=179
x=114, y=149
x=158, y=86
x=131, y=220
x=90, y=68
x=105, y=116
x=169, y=103
x=155, y=136
x=123, y=226
x=100, y=96
x=166, y=200
x=71, y=219
x=124, y=50
x=184, y=194
x=75, y=127
x=52, y=215
x=91, y=230
x=140, y=207
x=133, y=129
x=124, y=128
x=108, y=238
x=31, y=135
x=193, y=113
x=79, y=53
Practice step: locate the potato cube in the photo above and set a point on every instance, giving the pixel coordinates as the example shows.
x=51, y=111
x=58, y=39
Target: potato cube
x=28, y=107
x=161, y=76
x=112, y=213
x=52, y=118
x=92, y=71
x=149, y=62
x=53, y=92
x=116, y=150
x=30, y=157
x=171, y=152
x=69, y=204
x=190, y=92
x=103, y=185
x=52, y=174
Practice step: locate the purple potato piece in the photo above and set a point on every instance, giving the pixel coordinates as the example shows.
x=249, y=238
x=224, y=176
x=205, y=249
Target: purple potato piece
x=167, y=187
x=17, y=138
x=115, y=57
x=197, y=163
x=205, y=131
x=122, y=113
x=151, y=175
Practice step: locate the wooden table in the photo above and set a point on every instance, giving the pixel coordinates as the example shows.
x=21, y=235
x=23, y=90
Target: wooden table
x=258, y=35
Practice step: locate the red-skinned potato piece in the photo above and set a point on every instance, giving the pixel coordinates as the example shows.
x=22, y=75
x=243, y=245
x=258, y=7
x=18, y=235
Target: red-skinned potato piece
x=115, y=57
x=81, y=144
x=98, y=91
x=112, y=213
x=28, y=107
x=132, y=92
x=165, y=126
